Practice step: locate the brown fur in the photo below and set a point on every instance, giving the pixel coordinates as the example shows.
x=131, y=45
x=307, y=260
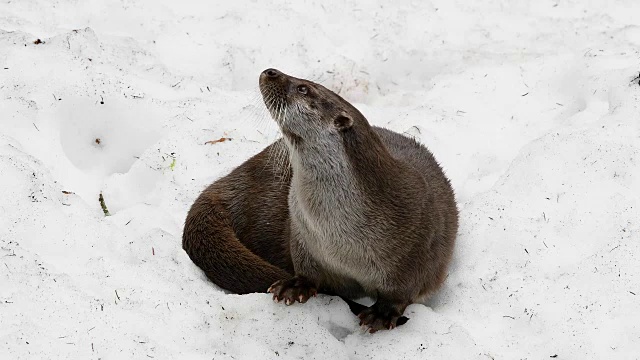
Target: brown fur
x=236, y=229
x=360, y=211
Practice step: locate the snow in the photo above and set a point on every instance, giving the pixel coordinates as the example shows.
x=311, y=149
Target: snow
x=531, y=107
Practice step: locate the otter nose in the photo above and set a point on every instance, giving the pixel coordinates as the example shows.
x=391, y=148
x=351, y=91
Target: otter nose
x=272, y=73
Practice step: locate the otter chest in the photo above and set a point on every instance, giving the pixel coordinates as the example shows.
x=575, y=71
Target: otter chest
x=336, y=238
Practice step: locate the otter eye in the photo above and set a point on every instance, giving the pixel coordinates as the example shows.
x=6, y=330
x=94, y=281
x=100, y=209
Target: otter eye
x=302, y=89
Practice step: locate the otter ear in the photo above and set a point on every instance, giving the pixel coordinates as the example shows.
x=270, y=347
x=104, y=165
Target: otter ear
x=342, y=123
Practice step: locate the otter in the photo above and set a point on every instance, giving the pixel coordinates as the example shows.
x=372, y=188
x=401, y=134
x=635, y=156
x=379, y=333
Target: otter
x=357, y=211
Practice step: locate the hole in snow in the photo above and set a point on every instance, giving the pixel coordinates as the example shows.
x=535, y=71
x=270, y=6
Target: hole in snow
x=103, y=139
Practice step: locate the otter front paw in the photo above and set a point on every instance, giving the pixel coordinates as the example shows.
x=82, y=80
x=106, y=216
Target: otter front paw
x=382, y=316
x=298, y=289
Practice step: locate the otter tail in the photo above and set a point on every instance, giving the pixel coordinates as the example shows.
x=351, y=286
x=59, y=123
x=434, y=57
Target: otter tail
x=211, y=243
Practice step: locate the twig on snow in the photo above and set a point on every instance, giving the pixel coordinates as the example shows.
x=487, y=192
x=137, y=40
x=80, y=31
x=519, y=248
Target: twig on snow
x=103, y=205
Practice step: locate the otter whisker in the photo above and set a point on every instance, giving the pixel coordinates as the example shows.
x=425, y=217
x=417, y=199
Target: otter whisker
x=280, y=109
x=261, y=117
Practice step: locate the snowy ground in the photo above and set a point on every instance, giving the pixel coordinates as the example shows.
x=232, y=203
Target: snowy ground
x=531, y=107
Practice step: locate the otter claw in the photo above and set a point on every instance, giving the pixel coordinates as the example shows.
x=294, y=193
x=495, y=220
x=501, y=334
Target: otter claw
x=381, y=316
x=295, y=289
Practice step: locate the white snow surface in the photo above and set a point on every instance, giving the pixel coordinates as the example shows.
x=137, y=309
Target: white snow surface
x=530, y=106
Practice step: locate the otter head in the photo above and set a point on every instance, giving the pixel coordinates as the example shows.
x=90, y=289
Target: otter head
x=305, y=111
